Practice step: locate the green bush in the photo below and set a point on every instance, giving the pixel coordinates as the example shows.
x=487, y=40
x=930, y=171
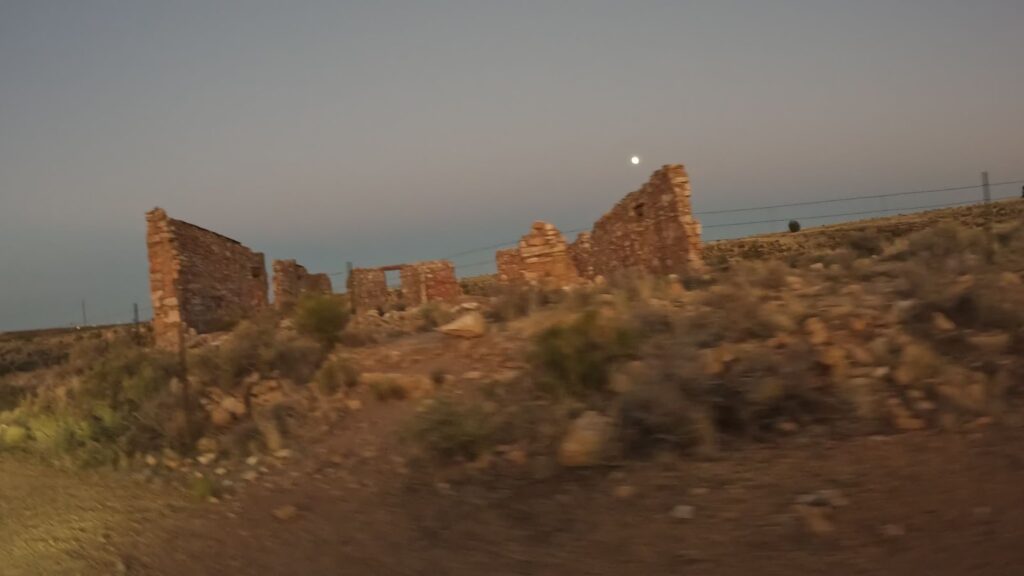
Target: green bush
x=321, y=317
x=452, y=431
x=575, y=358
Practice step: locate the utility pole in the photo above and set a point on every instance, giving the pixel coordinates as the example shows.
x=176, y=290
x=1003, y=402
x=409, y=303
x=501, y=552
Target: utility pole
x=135, y=314
x=985, y=188
x=85, y=319
x=986, y=192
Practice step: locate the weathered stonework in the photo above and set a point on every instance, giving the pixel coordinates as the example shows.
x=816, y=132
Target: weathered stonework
x=541, y=257
x=368, y=289
x=199, y=280
x=429, y=281
x=651, y=229
x=292, y=281
x=422, y=282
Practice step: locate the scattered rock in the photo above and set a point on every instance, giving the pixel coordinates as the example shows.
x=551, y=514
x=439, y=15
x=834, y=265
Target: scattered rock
x=285, y=513
x=893, y=530
x=942, y=323
x=221, y=471
x=233, y=406
x=587, y=442
x=252, y=460
x=816, y=519
x=624, y=492
x=473, y=375
x=283, y=454
x=220, y=417
x=206, y=459
x=817, y=331
x=470, y=325
x=250, y=475
x=354, y=405
x=151, y=460
x=991, y=343
x=683, y=512
x=207, y=445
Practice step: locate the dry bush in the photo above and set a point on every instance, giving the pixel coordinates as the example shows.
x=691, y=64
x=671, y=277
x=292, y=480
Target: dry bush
x=336, y=374
x=450, y=430
x=865, y=242
x=256, y=347
x=388, y=389
x=575, y=358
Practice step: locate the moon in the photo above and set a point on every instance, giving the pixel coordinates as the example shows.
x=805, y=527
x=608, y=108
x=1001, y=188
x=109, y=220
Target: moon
x=635, y=160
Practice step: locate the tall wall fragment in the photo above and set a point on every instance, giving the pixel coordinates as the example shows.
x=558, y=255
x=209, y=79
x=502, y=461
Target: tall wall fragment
x=651, y=229
x=199, y=280
x=292, y=281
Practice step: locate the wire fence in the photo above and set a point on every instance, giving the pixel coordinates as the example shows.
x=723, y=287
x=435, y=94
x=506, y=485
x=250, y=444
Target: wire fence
x=720, y=224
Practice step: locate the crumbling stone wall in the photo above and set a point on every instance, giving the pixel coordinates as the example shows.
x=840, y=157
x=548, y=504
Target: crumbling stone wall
x=422, y=282
x=581, y=252
x=651, y=229
x=368, y=289
x=429, y=281
x=542, y=256
x=199, y=280
x=292, y=281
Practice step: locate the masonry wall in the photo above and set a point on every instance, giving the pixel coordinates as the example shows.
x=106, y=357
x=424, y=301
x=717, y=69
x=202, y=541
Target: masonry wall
x=541, y=256
x=651, y=229
x=429, y=281
x=368, y=289
x=200, y=281
x=292, y=281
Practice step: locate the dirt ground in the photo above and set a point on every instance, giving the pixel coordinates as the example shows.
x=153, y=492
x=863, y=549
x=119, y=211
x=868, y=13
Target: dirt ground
x=920, y=503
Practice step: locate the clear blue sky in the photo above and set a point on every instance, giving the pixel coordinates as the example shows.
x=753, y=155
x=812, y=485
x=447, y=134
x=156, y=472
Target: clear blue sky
x=388, y=131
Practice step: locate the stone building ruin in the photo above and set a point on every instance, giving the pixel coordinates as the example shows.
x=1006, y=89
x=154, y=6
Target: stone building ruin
x=651, y=229
x=421, y=282
x=200, y=281
x=542, y=256
x=292, y=281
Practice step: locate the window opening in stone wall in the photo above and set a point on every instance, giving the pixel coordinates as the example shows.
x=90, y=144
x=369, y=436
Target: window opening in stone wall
x=638, y=210
x=255, y=271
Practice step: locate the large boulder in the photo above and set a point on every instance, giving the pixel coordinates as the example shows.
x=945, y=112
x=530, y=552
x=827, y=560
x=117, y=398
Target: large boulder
x=470, y=325
x=588, y=441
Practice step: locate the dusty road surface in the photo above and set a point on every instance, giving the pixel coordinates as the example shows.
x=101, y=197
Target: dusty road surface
x=935, y=504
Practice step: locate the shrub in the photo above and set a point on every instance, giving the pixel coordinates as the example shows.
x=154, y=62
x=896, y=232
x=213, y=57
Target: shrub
x=256, y=346
x=322, y=317
x=437, y=376
x=794, y=226
x=452, y=431
x=865, y=243
x=575, y=358
x=384, y=390
x=514, y=301
x=334, y=375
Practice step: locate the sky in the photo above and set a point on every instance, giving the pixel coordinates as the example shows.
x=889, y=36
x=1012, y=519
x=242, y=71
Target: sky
x=381, y=132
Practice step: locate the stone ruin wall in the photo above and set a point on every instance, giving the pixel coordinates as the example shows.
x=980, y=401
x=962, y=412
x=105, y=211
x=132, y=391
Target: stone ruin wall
x=429, y=281
x=368, y=289
x=651, y=229
x=200, y=281
x=542, y=256
x=292, y=281
x=421, y=282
